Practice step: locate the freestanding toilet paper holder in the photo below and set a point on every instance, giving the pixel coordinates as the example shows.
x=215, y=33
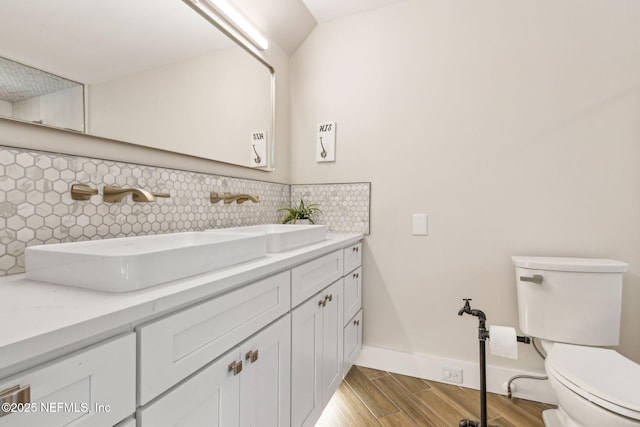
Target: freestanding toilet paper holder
x=483, y=334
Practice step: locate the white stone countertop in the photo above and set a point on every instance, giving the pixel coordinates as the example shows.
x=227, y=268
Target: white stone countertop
x=38, y=318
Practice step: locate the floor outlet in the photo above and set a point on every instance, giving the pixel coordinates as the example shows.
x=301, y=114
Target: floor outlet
x=452, y=375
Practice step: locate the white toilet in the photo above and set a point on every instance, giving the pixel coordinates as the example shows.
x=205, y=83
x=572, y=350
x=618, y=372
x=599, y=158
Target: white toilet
x=573, y=305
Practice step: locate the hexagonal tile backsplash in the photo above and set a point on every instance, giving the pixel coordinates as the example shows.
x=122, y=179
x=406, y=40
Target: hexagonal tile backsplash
x=345, y=207
x=36, y=206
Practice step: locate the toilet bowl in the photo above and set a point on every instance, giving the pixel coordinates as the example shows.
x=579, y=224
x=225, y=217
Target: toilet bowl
x=594, y=387
x=574, y=306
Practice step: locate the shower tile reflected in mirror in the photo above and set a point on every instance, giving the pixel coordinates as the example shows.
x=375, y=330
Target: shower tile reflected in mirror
x=36, y=96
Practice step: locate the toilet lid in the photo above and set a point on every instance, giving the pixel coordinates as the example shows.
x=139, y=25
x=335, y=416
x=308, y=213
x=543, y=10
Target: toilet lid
x=598, y=374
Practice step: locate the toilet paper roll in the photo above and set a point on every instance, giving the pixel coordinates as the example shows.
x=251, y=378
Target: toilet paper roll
x=503, y=341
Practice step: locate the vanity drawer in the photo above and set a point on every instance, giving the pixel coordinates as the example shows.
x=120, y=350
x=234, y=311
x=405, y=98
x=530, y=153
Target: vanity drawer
x=352, y=341
x=310, y=278
x=352, y=257
x=352, y=293
x=92, y=387
x=172, y=348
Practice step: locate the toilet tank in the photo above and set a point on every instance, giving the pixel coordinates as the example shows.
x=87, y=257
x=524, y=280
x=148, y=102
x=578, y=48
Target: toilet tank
x=571, y=300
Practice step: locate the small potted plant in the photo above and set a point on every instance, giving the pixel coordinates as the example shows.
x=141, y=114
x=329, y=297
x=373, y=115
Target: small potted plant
x=300, y=213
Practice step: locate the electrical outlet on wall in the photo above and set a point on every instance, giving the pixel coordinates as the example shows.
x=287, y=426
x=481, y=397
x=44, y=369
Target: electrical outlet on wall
x=419, y=225
x=452, y=375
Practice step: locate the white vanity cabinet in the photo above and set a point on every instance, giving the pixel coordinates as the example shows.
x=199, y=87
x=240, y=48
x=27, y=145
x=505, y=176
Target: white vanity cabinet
x=172, y=348
x=352, y=305
x=322, y=327
x=264, y=344
x=316, y=354
x=248, y=386
x=92, y=387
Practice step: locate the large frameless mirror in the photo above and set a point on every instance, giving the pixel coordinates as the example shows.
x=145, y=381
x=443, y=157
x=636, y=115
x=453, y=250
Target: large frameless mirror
x=146, y=72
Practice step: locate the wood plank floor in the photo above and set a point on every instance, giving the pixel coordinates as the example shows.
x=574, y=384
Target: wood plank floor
x=372, y=398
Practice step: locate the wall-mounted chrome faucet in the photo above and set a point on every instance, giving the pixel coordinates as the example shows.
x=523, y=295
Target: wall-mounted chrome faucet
x=230, y=198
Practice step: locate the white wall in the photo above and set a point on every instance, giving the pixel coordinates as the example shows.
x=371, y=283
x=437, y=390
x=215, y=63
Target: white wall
x=514, y=125
x=210, y=108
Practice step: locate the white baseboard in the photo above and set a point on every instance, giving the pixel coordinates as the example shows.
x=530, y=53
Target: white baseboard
x=430, y=368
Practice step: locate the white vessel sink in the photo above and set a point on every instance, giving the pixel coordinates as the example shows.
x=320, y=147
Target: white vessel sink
x=132, y=263
x=283, y=237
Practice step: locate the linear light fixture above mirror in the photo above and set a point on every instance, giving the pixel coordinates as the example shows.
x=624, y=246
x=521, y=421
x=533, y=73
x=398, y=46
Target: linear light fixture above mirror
x=229, y=19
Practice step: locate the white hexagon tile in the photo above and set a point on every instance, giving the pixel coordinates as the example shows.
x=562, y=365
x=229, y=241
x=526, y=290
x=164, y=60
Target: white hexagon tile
x=344, y=207
x=36, y=206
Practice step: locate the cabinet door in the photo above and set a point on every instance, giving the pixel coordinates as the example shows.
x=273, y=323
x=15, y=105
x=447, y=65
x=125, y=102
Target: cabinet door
x=332, y=340
x=352, y=294
x=265, y=382
x=352, y=341
x=306, y=362
x=211, y=398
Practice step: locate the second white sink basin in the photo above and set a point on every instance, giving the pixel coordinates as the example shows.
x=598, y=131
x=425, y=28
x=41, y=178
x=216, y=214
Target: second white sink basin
x=283, y=237
x=132, y=263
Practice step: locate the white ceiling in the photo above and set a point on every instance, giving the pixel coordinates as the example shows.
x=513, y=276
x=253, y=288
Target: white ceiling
x=289, y=22
x=327, y=10
x=286, y=22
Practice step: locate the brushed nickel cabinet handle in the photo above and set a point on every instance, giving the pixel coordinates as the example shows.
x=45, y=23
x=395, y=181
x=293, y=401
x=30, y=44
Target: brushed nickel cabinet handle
x=13, y=395
x=235, y=367
x=252, y=356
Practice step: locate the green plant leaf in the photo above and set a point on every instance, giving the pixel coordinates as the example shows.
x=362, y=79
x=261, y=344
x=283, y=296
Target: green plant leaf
x=302, y=211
